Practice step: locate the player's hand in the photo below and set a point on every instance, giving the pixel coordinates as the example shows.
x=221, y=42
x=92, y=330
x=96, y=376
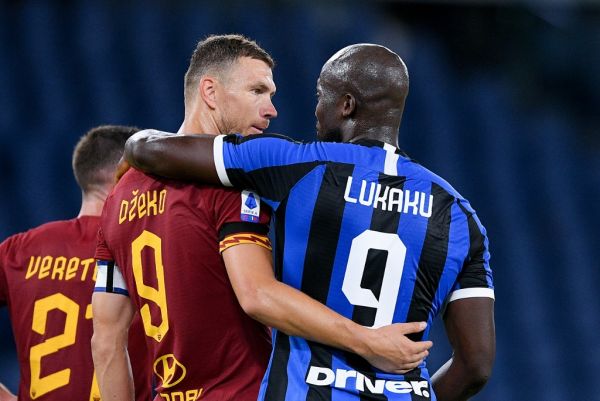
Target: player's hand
x=122, y=168
x=390, y=350
x=6, y=395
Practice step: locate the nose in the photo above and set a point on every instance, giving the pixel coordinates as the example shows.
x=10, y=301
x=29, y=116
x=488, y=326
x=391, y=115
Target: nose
x=270, y=111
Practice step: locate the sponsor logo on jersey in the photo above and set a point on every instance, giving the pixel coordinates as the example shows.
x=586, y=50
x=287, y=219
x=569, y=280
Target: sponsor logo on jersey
x=250, y=207
x=169, y=370
x=351, y=379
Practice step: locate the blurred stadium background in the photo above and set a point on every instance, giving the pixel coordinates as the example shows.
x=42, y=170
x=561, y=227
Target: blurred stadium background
x=504, y=104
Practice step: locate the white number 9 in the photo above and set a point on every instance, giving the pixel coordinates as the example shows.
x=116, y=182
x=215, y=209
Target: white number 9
x=394, y=265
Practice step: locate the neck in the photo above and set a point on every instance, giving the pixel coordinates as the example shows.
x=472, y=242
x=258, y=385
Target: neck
x=199, y=120
x=92, y=202
x=382, y=133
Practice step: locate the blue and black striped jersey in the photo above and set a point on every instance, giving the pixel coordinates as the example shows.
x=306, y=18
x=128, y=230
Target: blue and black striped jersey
x=368, y=232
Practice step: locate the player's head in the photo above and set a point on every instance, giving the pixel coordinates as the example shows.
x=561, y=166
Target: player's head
x=361, y=87
x=230, y=77
x=97, y=154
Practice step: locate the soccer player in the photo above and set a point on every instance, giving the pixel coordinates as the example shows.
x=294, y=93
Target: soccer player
x=172, y=248
x=47, y=277
x=361, y=228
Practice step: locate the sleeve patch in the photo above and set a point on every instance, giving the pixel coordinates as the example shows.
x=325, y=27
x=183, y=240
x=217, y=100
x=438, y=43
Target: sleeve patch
x=110, y=279
x=250, y=210
x=244, y=238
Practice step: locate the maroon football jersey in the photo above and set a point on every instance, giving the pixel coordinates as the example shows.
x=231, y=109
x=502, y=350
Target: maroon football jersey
x=165, y=237
x=46, y=278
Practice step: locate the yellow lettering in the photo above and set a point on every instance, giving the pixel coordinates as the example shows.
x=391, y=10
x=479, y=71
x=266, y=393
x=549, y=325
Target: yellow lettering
x=72, y=268
x=132, y=208
x=177, y=396
x=86, y=265
x=45, y=268
x=123, y=211
x=95, y=272
x=59, y=267
x=161, y=202
x=88, y=312
x=33, y=268
x=165, y=396
x=142, y=206
x=152, y=210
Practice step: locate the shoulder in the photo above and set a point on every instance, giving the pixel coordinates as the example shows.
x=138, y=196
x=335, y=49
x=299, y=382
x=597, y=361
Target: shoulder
x=51, y=230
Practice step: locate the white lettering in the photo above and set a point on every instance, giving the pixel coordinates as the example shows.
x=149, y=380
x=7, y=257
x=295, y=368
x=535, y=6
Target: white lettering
x=379, y=198
x=361, y=199
x=422, y=211
x=396, y=197
x=391, y=199
x=408, y=203
x=320, y=376
x=347, y=197
x=315, y=372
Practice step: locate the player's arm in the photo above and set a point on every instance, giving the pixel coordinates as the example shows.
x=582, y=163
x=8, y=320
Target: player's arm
x=112, y=315
x=278, y=305
x=5, y=394
x=112, y=312
x=185, y=157
x=470, y=328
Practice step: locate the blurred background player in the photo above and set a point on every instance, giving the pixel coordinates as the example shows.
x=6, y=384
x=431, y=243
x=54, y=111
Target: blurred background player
x=167, y=258
x=361, y=228
x=47, y=277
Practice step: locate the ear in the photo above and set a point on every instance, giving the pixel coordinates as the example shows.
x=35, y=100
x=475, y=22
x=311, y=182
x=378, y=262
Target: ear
x=207, y=89
x=348, y=105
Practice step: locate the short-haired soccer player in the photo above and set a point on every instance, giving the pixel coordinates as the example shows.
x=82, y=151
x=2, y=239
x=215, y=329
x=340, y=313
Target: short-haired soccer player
x=47, y=277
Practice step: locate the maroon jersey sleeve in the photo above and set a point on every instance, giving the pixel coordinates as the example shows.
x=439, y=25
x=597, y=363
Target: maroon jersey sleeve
x=240, y=218
x=102, y=251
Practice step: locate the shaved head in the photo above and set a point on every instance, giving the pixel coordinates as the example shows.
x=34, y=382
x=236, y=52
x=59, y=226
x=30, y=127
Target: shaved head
x=373, y=79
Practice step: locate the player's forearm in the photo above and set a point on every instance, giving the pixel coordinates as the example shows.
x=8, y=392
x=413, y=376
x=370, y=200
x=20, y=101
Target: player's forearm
x=457, y=381
x=185, y=157
x=295, y=313
x=113, y=369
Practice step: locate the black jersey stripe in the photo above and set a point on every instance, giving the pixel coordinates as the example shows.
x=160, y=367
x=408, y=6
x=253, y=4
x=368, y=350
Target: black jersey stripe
x=386, y=222
x=433, y=258
x=273, y=183
x=320, y=355
x=323, y=237
x=278, y=379
x=110, y=273
x=279, y=250
x=320, y=255
x=242, y=227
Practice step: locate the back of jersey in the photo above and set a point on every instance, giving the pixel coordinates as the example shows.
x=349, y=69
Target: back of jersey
x=46, y=277
x=164, y=238
x=367, y=232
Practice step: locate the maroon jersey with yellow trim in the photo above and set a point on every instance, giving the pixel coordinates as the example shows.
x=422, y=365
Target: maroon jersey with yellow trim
x=46, y=279
x=165, y=238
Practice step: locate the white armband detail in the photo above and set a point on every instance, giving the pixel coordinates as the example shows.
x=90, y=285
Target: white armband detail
x=219, y=161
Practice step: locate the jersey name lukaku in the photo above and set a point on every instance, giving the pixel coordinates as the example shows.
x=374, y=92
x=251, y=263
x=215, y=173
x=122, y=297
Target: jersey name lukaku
x=160, y=244
x=46, y=278
x=371, y=234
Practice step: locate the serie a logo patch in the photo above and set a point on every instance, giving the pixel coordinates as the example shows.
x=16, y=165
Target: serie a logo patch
x=250, y=207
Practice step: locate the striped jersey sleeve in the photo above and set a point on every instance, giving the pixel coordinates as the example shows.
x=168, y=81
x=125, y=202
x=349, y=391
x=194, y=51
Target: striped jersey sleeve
x=269, y=164
x=475, y=278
